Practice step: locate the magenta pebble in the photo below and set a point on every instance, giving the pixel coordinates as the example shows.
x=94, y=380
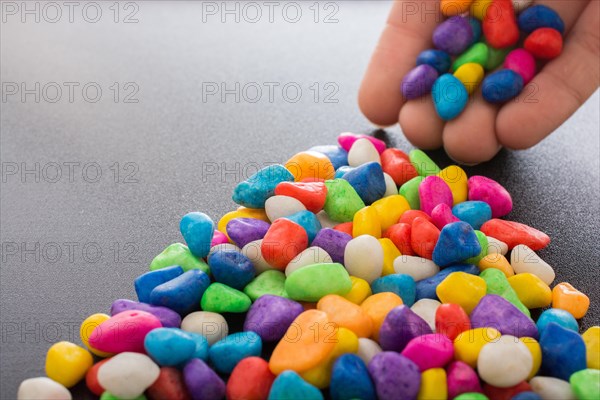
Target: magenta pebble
x=521, y=62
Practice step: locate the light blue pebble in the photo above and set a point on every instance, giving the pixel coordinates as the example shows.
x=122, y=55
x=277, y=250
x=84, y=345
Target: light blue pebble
x=197, y=229
x=254, y=191
x=169, y=346
x=231, y=268
x=475, y=213
x=337, y=155
x=290, y=386
x=145, y=283
x=229, y=351
x=401, y=284
x=426, y=287
x=308, y=221
x=558, y=316
x=341, y=171
x=449, y=97
x=201, y=346
x=350, y=379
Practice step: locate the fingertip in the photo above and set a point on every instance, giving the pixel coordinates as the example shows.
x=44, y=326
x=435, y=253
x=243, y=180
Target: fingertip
x=372, y=109
x=420, y=123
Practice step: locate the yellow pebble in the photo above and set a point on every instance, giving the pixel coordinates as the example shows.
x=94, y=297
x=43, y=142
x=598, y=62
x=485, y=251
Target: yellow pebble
x=86, y=329
x=463, y=289
x=67, y=363
x=320, y=376
x=479, y=8
x=531, y=290
x=359, y=292
x=497, y=261
x=390, y=253
x=390, y=209
x=471, y=75
x=468, y=344
x=536, y=353
x=366, y=222
x=433, y=385
x=591, y=337
x=241, y=212
x=456, y=178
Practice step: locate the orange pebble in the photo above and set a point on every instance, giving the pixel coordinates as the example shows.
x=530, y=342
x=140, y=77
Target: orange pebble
x=409, y=216
x=378, y=306
x=455, y=7
x=310, y=164
x=566, y=297
x=497, y=261
x=346, y=314
x=345, y=227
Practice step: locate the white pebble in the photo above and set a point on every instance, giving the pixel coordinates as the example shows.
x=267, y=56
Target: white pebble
x=367, y=349
x=417, y=267
x=364, y=257
x=254, y=253
x=325, y=221
x=127, y=375
x=390, y=186
x=523, y=259
x=362, y=152
x=426, y=309
x=222, y=246
x=496, y=246
x=208, y=324
x=549, y=388
x=282, y=206
x=520, y=5
x=505, y=362
x=42, y=388
x=310, y=256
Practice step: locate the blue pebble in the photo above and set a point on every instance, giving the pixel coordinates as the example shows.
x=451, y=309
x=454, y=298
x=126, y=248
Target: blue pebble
x=290, y=386
x=169, y=346
x=558, y=316
x=476, y=27
x=229, y=351
x=201, y=346
x=540, y=16
x=449, y=97
x=368, y=181
x=426, y=287
x=337, y=155
x=145, y=283
x=231, y=268
x=475, y=213
x=563, y=352
x=197, y=229
x=501, y=86
x=254, y=191
x=181, y=294
x=438, y=59
x=341, y=171
x=350, y=379
x=308, y=221
x=527, y=396
x=456, y=243
x=401, y=284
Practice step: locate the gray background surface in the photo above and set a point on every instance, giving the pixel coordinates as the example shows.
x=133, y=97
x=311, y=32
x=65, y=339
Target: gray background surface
x=174, y=140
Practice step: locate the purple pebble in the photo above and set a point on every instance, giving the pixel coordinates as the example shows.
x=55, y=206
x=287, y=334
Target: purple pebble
x=495, y=312
x=399, y=327
x=245, y=230
x=333, y=242
x=270, y=316
x=453, y=35
x=395, y=376
x=202, y=382
x=418, y=81
x=168, y=318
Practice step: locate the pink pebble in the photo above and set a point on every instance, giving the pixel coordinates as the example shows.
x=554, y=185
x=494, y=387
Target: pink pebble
x=433, y=191
x=218, y=238
x=461, y=378
x=347, y=139
x=123, y=332
x=521, y=62
x=493, y=193
x=433, y=350
x=441, y=215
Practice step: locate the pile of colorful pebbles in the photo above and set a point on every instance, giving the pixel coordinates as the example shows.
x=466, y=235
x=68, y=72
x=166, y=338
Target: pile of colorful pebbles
x=480, y=36
x=373, y=273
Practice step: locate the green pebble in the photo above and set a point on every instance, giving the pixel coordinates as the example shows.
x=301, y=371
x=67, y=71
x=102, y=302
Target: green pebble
x=496, y=57
x=178, y=254
x=269, y=282
x=478, y=53
x=312, y=282
x=586, y=384
x=221, y=298
x=423, y=164
x=110, y=396
x=498, y=284
x=483, y=242
x=410, y=191
x=342, y=201
x=471, y=396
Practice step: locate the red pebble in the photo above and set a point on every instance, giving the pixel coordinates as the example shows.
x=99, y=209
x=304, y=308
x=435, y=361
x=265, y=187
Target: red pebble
x=399, y=234
x=409, y=216
x=451, y=319
x=497, y=393
x=515, y=233
x=500, y=25
x=345, y=227
x=251, y=379
x=168, y=386
x=311, y=194
x=423, y=237
x=544, y=43
x=284, y=241
x=91, y=378
x=396, y=164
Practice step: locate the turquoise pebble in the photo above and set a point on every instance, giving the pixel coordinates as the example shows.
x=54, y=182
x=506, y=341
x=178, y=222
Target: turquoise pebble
x=229, y=351
x=144, y=284
x=449, y=97
x=169, y=346
x=563, y=352
x=254, y=191
x=201, y=346
x=475, y=213
x=290, y=386
x=308, y=221
x=350, y=379
x=558, y=316
x=197, y=229
x=341, y=171
x=456, y=243
x=401, y=284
